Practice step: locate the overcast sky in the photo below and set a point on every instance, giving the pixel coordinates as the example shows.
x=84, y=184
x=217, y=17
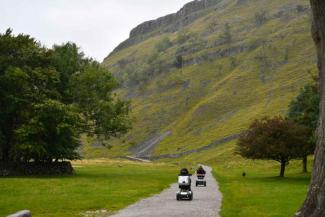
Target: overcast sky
x=97, y=26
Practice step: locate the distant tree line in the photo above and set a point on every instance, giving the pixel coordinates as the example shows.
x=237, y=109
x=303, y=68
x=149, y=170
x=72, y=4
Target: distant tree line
x=48, y=97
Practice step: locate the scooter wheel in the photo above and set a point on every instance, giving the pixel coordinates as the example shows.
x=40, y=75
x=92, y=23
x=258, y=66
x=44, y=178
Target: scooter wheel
x=178, y=197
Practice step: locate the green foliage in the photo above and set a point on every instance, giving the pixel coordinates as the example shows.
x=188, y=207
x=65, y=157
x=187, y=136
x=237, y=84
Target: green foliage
x=233, y=62
x=260, y=18
x=183, y=36
x=276, y=139
x=286, y=55
x=52, y=133
x=263, y=60
x=300, y=9
x=49, y=97
x=104, y=113
x=179, y=62
x=304, y=110
x=227, y=36
x=67, y=60
x=163, y=45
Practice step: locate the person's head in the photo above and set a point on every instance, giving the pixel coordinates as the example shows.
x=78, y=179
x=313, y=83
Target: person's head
x=184, y=171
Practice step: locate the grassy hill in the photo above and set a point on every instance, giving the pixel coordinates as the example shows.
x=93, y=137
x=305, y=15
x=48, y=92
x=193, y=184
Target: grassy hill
x=242, y=59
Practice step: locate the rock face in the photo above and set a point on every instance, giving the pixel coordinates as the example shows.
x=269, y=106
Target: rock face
x=170, y=23
x=173, y=22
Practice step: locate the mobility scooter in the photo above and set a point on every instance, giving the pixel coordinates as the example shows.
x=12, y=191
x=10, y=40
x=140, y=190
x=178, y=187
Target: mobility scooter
x=200, y=174
x=184, y=183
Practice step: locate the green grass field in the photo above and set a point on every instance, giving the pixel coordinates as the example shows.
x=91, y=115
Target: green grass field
x=112, y=185
x=109, y=185
x=261, y=193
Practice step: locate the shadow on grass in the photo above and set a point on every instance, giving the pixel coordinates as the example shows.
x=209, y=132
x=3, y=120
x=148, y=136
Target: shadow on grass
x=298, y=178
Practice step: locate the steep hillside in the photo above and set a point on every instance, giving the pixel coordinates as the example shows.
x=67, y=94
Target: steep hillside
x=199, y=76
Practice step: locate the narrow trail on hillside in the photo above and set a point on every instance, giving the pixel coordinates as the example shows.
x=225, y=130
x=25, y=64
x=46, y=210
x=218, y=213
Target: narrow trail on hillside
x=206, y=202
x=144, y=150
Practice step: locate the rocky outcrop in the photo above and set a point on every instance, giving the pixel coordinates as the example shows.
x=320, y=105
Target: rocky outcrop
x=170, y=23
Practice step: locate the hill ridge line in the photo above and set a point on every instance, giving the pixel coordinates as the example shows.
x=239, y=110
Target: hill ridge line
x=169, y=23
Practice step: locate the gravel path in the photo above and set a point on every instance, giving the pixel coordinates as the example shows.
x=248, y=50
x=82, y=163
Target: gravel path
x=206, y=202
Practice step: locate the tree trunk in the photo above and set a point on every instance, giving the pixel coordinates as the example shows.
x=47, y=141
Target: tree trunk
x=283, y=168
x=304, y=165
x=5, y=153
x=314, y=205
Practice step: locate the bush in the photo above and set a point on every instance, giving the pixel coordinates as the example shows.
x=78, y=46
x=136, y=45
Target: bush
x=163, y=45
x=260, y=18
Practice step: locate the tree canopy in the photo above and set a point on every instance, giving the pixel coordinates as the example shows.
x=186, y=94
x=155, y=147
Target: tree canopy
x=304, y=110
x=48, y=97
x=276, y=139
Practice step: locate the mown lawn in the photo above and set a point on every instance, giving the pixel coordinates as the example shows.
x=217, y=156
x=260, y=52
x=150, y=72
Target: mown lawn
x=261, y=193
x=109, y=185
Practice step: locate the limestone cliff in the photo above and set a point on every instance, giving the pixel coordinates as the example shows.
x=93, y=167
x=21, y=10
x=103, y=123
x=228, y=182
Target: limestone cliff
x=169, y=23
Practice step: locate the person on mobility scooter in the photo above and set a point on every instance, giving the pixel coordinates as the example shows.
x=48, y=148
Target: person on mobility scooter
x=200, y=173
x=184, y=183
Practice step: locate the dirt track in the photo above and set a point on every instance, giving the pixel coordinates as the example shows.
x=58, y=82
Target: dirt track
x=206, y=202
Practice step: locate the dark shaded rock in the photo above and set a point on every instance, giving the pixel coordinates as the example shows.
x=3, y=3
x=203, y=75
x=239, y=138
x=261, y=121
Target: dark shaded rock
x=31, y=169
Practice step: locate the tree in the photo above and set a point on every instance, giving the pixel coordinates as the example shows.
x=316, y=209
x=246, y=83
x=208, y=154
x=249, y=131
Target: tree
x=67, y=60
x=26, y=78
x=227, y=36
x=183, y=36
x=179, y=62
x=304, y=110
x=260, y=18
x=276, y=139
x=52, y=133
x=48, y=97
x=163, y=45
x=104, y=114
x=314, y=205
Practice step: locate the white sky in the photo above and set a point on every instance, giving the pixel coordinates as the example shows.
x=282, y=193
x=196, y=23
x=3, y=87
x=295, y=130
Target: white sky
x=97, y=26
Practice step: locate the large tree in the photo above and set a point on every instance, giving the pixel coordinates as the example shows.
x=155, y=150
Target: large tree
x=276, y=139
x=304, y=110
x=48, y=97
x=314, y=205
x=26, y=79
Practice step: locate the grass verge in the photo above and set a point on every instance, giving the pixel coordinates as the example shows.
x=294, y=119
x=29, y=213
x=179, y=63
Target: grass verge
x=97, y=185
x=261, y=193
